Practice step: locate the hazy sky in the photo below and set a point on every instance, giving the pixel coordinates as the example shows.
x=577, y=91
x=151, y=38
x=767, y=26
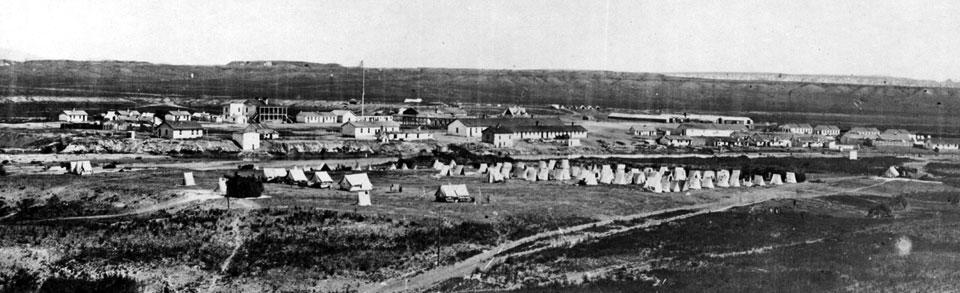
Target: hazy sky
x=918, y=39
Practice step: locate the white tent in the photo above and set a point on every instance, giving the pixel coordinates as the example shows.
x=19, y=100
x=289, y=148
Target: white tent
x=452, y=192
x=457, y=171
x=666, y=184
x=444, y=171
x=564, y=164
x=356, y=182
x=543, y=174
x=494, y=177
x=622, y=167
x=639, y=178
x=679, y=174
x=521, y=171
x=321, y=167
x=188, y=179
x=735, y=178
x=392, y=167
x=437, y=165
x=453, y=163
x=664, y=170
x=606, y=175
x=81, y=168
x=775, y=179
x=588, y=180
x=542, y=165
x=483, y=168
x=296, y=175
x=552, y=164
x=271, y=174
x=758, y=180
x=575, y=172
x=723, y=178
x=707, y=182
x=620, y=177
x=363, y=198
x=404, y=167
x=693, y=183
x=321, y=179
x=791, y=178
x=891, y=172
x=696, y=174
x=530, y=174
x=747, y=183
x=505, y=171
x=495, y=169
x=653, y=183
x=562, y=174
x=221, y=186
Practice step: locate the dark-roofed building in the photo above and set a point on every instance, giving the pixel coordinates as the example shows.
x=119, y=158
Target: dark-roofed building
x=179, y=130
x=473, y=127
x=504, y=136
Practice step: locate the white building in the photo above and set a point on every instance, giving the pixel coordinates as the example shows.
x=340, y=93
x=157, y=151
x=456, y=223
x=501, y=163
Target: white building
x=180, y=130
x=314, y=117
x=344, y=116
x=826, y=130
x=711, y=130
x=72, y=116
x=367, y=130
x=408, y=135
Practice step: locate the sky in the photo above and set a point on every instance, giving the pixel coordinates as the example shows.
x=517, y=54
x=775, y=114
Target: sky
x=906, y=38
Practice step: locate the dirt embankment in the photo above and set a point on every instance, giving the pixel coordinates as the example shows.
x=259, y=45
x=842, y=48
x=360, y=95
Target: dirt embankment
x=151, y=146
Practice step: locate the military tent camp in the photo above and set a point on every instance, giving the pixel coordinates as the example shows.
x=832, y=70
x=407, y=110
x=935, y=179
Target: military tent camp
x=775, y=179
x=543, y=174
x=356, y=182
x=321, y=179
x=790, y=178
x=758, y=180
x=188, y=179
x=891, y=172
x=274, y=174
x=735, y=178
x=483, y=168
x=606, y=175
x=453, y=193
x=296, y=176
x=723, y=178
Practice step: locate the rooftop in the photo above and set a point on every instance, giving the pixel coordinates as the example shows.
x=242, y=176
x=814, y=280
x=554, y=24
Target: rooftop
x=183, y=125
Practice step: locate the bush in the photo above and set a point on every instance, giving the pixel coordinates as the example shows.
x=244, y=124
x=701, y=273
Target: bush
x=241, y=187
x=880, y=211
x=110, y=283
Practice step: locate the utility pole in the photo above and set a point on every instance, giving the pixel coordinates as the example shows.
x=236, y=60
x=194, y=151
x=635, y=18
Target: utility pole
x=363, y=87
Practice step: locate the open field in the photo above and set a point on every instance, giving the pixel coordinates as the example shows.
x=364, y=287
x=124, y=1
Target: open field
x=164, y=235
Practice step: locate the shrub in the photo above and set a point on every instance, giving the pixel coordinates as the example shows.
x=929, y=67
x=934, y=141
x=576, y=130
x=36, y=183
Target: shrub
x=880, y=211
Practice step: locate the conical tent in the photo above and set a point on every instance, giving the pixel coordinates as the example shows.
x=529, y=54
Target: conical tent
x=321, y=179
x=530, y=174
x=620, y=177
x=404, y=167
x=188, y=179
x=457, y=171
x=495, y=169
x=747, y=183
x=588, y=180
x=666, y=184
x=363, y=198
x=707, y=183
x=444, y=171
x=437, y=165
x=758, y=180
x=494, y=177
x=563, y=174
x=543, y=174
x=891, y=172
x=483, y=168
x=735, y=178
x=542, y=165
x=453, y=163
x=552, y=164
x=553, y=174
x=693, y=183
x=621, y=167
x=675, y=186
x=695, y=174
x=679, y=174
x=564, y=164
x=520, y=171
x=392, y=167
x=664, y=170
x=520, y=165
x=606, y=175
x=723, y=178
x=790, y=178
x=653, y=182
x=648, y=170
x=775, y=179
x=505, y=171
x=321, y=167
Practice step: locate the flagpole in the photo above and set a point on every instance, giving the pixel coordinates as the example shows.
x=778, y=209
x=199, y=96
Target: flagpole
x=363, y=87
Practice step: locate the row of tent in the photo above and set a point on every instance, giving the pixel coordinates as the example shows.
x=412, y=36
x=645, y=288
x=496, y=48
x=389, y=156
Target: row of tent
x=319, y=179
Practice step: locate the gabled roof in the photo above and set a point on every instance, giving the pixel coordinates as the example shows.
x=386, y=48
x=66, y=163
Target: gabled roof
x=734, y=127
x=826, y=127
x=183, y=125
x=372, y=124
x=361, y=180
x=863, y=130
x=453, y=190
x=795, y=125
x=535, y=128
x=342, y=112
x=179, y=113
x=321, y=176
x=507, y=122
x=75, y=112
